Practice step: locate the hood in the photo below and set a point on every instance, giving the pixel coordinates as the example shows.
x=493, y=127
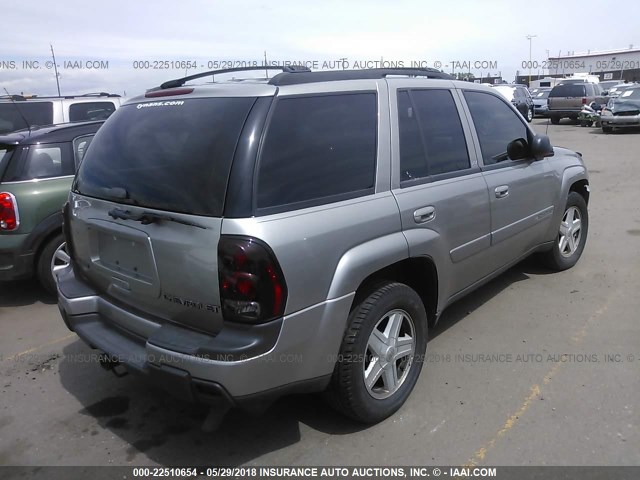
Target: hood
x=625, y=105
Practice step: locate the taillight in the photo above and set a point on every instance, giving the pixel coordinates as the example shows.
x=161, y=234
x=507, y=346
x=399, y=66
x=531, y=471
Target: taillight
x=252, y=286
x=584, y=101
x=9, y=217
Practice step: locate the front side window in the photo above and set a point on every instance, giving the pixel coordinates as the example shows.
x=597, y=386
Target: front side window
x=318, y=147
x=80, y=146
x=432, y=141
x=496, y=125
x=90, y=111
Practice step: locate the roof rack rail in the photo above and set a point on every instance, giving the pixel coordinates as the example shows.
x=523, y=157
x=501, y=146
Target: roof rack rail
x=13, y=98
x=178, y=82
x=372, y=73
x=99, y=94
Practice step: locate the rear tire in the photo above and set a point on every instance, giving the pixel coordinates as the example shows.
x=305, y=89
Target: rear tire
x=572, y=235
x=43, y=267
x=607, y=129
x=370, y=350
x=555, y=120
x=529, y=116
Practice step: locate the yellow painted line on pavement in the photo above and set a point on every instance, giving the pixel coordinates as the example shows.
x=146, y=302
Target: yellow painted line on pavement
x=34, y=349
x=534, y=392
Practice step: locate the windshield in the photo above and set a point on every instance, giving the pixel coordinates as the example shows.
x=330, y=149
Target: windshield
x=13, y=115
x=543, y=94
x=169, y=155
x=633, y=93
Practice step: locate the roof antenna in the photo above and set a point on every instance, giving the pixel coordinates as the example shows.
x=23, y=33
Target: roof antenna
x=55, y=67
x=266, y=72
x=13, y=101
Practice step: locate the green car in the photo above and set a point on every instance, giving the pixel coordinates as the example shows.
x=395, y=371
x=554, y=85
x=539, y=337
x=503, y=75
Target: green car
x=37, y=167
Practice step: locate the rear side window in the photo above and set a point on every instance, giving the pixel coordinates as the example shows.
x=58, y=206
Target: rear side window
x=14, y=114
x=432, y=141
x=318, y=149
x=568, y=90
x=90, y=111
x=45, y=161
x=496, y=125
x=172, y=155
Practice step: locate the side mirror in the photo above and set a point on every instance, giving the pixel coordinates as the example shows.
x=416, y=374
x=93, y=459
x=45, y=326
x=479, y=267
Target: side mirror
x=541, y=147
x=517, y=149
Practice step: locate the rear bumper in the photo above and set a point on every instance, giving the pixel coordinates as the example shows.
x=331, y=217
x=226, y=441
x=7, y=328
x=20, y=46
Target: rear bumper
x=244, y=368
x=620, y=121
x=15, y=262
x=564, y=113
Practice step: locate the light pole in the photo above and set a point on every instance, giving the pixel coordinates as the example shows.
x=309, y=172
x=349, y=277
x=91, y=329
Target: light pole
x=530, y=38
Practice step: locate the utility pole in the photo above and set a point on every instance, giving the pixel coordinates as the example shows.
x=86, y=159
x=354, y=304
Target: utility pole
x=530, y=38
x=55, y=68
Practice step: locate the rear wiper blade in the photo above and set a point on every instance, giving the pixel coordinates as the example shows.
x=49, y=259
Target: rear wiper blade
x=147, y=218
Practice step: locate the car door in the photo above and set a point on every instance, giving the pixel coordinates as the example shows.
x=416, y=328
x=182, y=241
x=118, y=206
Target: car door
x=438, y=186
x=521, y=192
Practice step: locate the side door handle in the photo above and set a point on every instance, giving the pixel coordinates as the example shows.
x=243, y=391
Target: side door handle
x=502, y=191
x=424, y=214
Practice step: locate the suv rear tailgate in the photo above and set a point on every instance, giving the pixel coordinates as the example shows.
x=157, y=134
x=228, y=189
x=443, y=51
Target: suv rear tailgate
x=147, y=206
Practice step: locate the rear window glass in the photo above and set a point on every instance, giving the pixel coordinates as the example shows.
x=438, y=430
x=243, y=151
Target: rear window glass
x=14, y=114
x=90, y=111
x=172, y=155
x=569, y=90
x=318, y=147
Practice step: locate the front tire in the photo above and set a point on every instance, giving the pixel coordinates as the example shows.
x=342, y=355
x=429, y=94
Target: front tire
x=555, y=120
x=572, y=235
x=607, y=129
x=381, y=354
x=529, y=116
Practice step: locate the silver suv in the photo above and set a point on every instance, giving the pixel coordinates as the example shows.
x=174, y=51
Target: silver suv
x=236, y=241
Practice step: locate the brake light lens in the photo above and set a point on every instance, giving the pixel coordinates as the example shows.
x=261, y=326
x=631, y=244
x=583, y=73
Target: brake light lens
x=252, y=286
x=9, y=217
x=168, y=92
x=584, y=101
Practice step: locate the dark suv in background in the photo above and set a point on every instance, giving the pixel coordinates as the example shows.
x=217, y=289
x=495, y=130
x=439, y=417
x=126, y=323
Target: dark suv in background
x=36, y=171
x=567, y=99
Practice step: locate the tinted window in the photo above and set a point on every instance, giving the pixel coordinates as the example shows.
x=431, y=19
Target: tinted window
x=45, y=161
x=80, y=146
x=13, y=115
x=318, y=147
x=568, y=90
x=431, y=136
x=496, y=124
x=90, y=111
x=170, y=155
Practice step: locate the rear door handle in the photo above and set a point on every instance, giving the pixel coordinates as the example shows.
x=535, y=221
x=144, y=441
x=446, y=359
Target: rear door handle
x=502, y=191
x=424, y=214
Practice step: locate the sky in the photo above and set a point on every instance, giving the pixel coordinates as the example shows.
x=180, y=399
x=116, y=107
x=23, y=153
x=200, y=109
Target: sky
x=122, y=41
